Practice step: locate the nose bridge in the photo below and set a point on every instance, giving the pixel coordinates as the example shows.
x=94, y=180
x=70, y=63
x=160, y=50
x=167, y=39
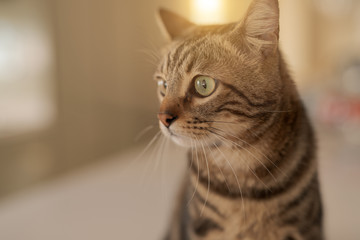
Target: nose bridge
x=169, y=112
x=171, y=106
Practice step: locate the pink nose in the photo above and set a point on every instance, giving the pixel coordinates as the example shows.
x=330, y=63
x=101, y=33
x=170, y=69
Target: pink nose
x=167, y=118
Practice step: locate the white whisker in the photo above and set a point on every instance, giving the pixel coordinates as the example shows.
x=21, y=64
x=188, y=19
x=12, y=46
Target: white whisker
x=143, y=132
x=209, y=180
x=250, y=145
x=237, y=181
x=222, y=173
x=149, y=161
x=149, y=145
x=252, y=154
x=139, y=157
x=163, y=168
x=251, y=170
x=198, y=175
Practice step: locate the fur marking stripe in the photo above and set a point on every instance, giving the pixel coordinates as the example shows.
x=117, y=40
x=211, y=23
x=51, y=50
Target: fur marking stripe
x=203, y=226
x=186, y=52
x=177, y=53
x=168, y=62
x=263, y=194
x=190, y=65
x=240, y=113
x=294, y=203
x=247, y=99
x=208, y=205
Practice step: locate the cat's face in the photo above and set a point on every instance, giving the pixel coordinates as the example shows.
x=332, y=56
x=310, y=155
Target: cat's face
x=215, y=82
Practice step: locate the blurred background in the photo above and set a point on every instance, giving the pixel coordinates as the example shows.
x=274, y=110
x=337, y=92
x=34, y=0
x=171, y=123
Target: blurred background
x=76, y=90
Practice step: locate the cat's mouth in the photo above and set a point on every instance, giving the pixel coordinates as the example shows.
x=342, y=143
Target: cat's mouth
x=185, y=139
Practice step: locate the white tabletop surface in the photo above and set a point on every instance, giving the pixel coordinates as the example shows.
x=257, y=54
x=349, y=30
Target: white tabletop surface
x=113, y=199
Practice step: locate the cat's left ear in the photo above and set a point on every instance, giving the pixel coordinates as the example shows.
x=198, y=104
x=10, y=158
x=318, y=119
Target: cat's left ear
x=173, y=24
x=261, y=25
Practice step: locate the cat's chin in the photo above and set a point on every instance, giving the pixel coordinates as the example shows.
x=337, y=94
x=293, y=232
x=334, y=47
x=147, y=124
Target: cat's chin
x=182, y=141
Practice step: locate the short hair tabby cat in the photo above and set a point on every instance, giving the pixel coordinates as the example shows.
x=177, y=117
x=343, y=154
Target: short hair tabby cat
x=226, y=93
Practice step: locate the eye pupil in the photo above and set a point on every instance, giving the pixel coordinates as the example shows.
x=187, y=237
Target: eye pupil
x=203, y=83
x=162, y=85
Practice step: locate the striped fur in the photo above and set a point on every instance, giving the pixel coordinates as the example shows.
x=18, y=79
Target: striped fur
x=253, y=170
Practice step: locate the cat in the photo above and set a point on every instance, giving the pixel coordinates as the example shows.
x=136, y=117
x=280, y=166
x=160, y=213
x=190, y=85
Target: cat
x=225, y=92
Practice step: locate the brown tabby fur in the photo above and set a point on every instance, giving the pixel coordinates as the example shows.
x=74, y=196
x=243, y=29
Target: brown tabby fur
x=253, y=172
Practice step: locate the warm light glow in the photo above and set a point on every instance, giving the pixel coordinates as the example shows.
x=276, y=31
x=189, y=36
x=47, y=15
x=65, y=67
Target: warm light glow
x=208, y=11
x=207, y=5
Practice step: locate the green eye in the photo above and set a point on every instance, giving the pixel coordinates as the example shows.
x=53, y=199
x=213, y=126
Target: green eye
x=205, y=86
x=162, y=87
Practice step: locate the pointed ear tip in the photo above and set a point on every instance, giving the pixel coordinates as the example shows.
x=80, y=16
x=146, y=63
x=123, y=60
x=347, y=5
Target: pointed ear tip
x=160, y=11
x=162, y=14
x=163, y=11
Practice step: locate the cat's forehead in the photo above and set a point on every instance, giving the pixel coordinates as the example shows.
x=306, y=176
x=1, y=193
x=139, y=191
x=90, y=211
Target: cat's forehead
x=209, y=55
x=199, y=53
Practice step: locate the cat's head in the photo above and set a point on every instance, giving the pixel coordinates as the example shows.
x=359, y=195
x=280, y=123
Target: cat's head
x=220, y=80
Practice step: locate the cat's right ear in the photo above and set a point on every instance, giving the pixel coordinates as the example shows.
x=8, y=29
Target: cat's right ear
x=260, y=26
x=172, y=24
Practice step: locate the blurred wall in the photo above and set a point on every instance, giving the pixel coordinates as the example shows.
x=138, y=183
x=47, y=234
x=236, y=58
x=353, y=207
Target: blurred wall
x=27, y=104
x=101, y=88
x=105, y=79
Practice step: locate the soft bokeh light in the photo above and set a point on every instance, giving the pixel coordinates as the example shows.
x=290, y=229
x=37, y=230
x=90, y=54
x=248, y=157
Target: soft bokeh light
x=208, y=11
x=207, y=5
